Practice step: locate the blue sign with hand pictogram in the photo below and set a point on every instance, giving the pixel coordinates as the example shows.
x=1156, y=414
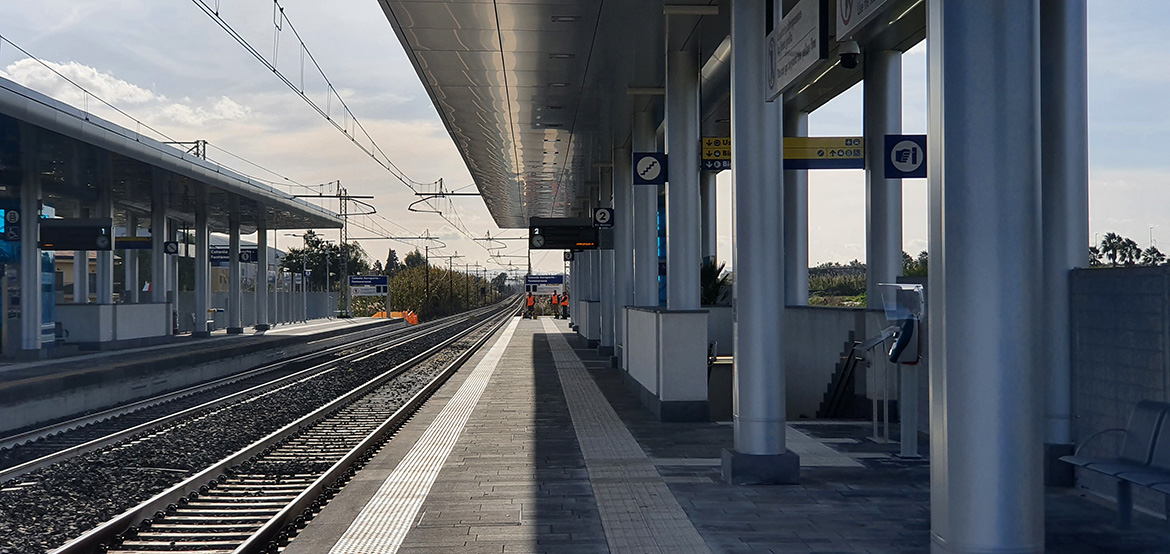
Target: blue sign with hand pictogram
x=905, y=156
x=649, y=168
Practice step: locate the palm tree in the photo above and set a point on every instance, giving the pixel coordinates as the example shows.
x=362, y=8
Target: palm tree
x=1129, y=252
x=1094, y=256
x=1110, y=246
x=1153, y=256
x=713, y=282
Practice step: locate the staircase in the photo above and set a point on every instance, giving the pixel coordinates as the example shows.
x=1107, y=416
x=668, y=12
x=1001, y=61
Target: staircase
x=840, y=400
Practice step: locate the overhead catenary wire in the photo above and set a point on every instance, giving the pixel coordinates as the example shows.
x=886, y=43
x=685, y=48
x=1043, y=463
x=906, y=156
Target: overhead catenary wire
x=373, y=150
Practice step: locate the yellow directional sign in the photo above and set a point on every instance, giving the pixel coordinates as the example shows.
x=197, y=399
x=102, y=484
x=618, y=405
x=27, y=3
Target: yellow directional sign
x=824, y=153
x=716, y=153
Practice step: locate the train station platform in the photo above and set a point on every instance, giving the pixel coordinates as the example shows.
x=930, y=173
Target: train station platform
x=537, y=445
x=48, y=390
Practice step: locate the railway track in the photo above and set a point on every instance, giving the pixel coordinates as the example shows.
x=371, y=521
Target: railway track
x=279, y=453
x=34, y=449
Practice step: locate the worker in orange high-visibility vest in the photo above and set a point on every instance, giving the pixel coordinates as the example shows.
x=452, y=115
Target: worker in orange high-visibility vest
x=556, y=306
x=531, y=304
x=565, y=305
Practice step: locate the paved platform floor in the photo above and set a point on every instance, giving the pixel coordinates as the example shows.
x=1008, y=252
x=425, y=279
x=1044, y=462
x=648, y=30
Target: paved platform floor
x=536, y=445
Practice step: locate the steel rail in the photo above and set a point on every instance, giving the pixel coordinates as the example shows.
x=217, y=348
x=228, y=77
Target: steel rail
x=96, y=539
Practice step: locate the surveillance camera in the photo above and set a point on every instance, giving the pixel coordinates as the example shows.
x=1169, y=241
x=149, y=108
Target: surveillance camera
x=850, y=54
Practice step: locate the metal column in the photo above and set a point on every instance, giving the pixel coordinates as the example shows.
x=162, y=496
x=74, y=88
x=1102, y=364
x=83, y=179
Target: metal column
x=158, y=238
x=130, y=262
x=1065, y=200
x=760, y=455
x=623, y=238
x=605, y=272
x=202, y=263
x=30, y=253
x=645, y=219
x=683, y=216
x=987, y=488
x=796, y=219
x=883, y=197
x=234, y=324
x=262, y=268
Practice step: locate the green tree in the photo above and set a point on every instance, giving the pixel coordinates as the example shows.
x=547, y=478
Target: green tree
x=415, y=259
x=321, y=257
x=392, y=263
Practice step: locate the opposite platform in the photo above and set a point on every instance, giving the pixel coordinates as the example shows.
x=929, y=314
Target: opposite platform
x=535, y=445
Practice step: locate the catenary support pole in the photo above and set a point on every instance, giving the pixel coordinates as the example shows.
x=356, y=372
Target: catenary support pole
x=882, y=99
x=987, y=488
x=796, y=219
x=1064, y=109
x=760, y=455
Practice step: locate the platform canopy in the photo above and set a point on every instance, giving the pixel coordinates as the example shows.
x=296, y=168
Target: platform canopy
x=78, y=151
x=534, y=92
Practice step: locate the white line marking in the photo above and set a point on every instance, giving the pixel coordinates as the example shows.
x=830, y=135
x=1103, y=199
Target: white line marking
x=384, y=522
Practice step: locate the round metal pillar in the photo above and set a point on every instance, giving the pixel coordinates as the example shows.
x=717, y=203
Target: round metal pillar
x=262, y=321
x=987, y=490
x=760, y=454
x=683, y=216
x=623, y=235
x=796, y=219
x=645, y=219
x=1065, y=199
x=883, y=197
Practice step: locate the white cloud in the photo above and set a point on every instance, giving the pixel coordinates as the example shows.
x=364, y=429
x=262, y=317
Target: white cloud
x=225, y=109
x=41, y=77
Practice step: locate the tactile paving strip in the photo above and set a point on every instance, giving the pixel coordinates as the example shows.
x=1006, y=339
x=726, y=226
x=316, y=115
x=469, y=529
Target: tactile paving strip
x=638, y=511
x=382, y=525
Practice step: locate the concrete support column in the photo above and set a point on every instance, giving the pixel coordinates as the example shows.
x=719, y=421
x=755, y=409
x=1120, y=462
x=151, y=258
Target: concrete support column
x=234, y=327
x=158, y=237
x=105, y=209
x=1064, y=109
x=760, y=455
x=262, y=322
x=202, y=263
x=883, y=197
x=796, y=219
x=987, y=488
x=130, y=262
x=605, y=273
x=30, y=253
x=683, y=214
x=645, y=217
x=709, y=214
x=623, y=239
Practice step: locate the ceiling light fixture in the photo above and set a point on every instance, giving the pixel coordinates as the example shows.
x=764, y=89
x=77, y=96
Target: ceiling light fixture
x=565, y=18
x=561, y=56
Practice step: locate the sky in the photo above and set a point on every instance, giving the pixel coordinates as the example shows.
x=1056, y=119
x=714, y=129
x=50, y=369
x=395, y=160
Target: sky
x=172, y=67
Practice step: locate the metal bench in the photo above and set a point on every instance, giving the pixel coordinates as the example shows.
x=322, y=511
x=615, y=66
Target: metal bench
x=1144, y=459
